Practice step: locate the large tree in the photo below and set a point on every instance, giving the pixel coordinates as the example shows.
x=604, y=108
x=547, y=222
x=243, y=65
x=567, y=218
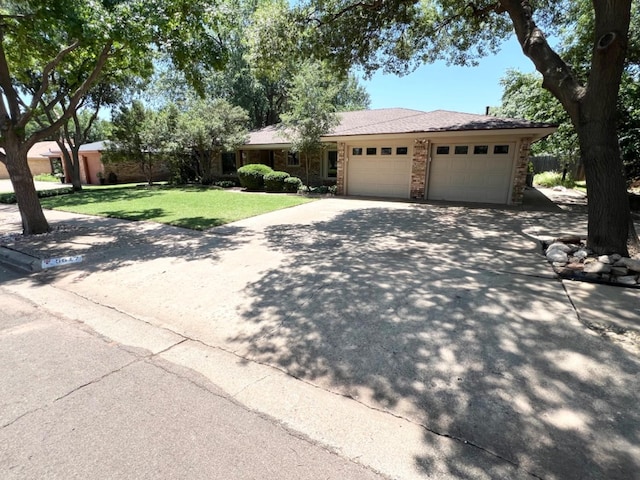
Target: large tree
x=142, y=136
x=311, y=112
x=259, y=70
x=54, y=51
x=81, y=126
x=207, y=129
x=397, y=34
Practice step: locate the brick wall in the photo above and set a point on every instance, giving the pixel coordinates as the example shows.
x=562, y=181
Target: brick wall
x=342, y=156
x=419, y=168
x=129, y=172
x=520, y=177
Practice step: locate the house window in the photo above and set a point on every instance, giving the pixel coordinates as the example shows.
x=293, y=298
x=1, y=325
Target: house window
x=442, y=150
x=461, y=150
x=500, y=149
x=356, y=151
x=372, y=151
x=402, y=151
x=386, y=151
x=332, y=163
x=292, y=159
x=228, y=163
x=480, y=149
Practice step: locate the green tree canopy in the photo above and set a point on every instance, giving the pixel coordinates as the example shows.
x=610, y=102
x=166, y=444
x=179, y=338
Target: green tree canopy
x=209, y=127
x=143, y=136
x=311, y=111
x=56, y=50
x=524, y=97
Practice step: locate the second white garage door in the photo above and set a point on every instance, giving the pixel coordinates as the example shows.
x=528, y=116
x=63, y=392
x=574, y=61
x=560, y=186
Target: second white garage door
x=471, y=173
x=379, y=171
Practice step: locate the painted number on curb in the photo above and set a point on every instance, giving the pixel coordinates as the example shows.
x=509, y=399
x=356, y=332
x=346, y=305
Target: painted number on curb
x=56, y=262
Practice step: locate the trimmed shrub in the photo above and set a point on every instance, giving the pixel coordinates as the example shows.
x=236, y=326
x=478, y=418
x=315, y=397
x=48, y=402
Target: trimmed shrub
x=291, y=184
x=252, y=176
x=11, y=197
x=8, y=198
x=225, y=183
x=274, y=182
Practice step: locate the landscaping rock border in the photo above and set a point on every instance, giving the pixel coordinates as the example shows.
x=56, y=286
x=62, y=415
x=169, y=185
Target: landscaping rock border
x=571, y=259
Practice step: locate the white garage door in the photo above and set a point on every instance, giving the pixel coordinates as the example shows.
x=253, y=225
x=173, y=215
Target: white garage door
x=382, y=171
x=471, y=172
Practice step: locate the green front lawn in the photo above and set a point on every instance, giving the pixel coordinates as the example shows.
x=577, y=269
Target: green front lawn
x=189, y=207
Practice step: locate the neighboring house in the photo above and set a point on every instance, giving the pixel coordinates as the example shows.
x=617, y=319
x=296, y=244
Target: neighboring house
x=403, y=153
x=40, y=160
x=92, y=168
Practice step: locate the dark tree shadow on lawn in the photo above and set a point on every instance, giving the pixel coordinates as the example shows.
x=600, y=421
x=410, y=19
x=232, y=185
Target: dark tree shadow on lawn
x=422, y=312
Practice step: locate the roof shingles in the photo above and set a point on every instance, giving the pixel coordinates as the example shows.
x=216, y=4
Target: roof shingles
x=403, y=120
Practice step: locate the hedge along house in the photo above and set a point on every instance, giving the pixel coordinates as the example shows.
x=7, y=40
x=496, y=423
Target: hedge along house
x=403, y=153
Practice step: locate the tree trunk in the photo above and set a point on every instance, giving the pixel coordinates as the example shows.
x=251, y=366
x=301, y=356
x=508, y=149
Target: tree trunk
x=593, y=111
x=72, y=165
x=76, y=180
x=33, y=219
x=608, y=203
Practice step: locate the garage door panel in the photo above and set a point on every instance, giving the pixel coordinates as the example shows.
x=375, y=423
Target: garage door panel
x=387, y=176
x=471, y=178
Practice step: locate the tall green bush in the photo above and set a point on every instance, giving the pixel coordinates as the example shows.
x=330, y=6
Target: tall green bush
x=252, y=176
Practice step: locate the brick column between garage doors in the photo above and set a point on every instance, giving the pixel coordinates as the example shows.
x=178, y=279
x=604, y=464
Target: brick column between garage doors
x=419, y=168
x=342, y=150
x=520, y=177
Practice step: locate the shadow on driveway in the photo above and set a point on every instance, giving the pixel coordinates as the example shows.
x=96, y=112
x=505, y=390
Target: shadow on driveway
x=446, y=316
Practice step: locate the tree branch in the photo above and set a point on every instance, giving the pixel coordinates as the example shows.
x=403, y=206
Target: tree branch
x=5, y=83
x=558, y=77
x=49, y=67
x=76, y=98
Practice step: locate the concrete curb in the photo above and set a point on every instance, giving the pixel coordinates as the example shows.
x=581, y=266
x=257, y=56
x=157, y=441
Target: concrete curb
x=20, y=260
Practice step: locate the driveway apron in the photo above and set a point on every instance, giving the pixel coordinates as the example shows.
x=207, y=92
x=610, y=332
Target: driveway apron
x=447, y=316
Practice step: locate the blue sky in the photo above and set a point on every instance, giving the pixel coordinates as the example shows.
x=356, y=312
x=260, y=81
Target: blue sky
x=437, y=86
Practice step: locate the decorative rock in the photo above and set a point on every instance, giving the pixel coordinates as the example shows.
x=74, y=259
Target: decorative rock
x=631, y=264
x=619, y=271
x=557, y=256
x=573, y=266
x=581, y=253
x=627, y=280
x=596, y=267
x=559, y=246
x=604, y=259
x=572, y=259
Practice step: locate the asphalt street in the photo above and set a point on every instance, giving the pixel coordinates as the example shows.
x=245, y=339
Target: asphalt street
x=76, y=404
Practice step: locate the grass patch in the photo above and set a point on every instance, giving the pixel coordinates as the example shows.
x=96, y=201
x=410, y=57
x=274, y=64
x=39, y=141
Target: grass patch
x=188, y=207
x=553, y=179
x=581, y=186
x=46, y=177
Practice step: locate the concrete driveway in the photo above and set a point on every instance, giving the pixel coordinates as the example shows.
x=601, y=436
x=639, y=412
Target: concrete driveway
x=6, y=186
x=424, y=341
